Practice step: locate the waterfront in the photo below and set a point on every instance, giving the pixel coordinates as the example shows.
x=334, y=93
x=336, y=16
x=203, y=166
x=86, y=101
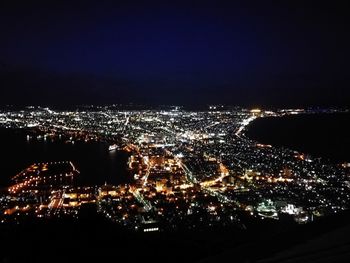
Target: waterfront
x=96, y=164
x=321, y=135
x=189, y=169
x=193, y=172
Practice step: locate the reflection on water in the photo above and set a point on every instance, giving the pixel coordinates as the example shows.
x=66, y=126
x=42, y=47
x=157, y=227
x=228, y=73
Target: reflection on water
x=96, y=164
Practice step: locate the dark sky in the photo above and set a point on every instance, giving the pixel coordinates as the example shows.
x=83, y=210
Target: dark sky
x=281, y=53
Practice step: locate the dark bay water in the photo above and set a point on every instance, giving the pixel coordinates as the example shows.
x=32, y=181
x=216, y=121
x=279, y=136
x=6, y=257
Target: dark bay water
x=321, y=135
x=96, y=164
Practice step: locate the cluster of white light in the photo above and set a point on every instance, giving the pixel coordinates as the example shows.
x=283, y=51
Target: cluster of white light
x=151, y=229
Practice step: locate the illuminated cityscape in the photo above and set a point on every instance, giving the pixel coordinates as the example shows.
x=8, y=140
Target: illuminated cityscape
x=174, y=131
x=188, y=170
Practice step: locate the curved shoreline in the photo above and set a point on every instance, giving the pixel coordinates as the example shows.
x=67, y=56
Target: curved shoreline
x=320, y=135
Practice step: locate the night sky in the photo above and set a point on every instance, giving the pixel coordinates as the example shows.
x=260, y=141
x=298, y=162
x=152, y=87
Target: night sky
x=190, y=53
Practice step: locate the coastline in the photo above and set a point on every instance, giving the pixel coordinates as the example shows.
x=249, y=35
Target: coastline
x=321, y=135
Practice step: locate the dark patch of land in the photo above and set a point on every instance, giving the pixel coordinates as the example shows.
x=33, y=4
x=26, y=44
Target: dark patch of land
x=95, y=239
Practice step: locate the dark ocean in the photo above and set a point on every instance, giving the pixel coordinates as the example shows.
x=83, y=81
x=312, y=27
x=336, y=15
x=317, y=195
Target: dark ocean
x=96, y=164
x=320, y=135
